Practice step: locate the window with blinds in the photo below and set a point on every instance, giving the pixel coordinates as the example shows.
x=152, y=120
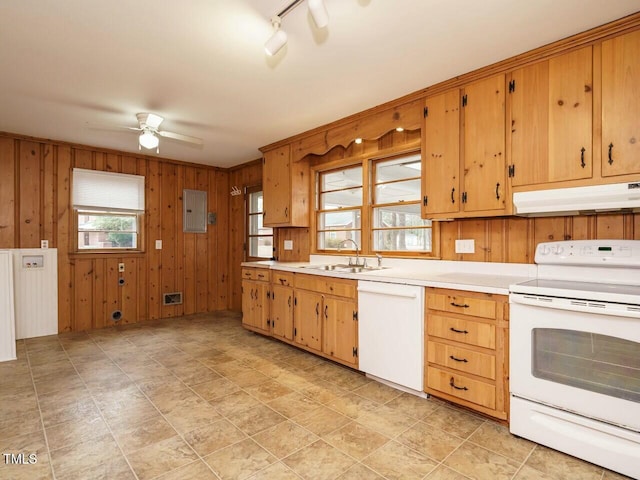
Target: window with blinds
x=108, y=209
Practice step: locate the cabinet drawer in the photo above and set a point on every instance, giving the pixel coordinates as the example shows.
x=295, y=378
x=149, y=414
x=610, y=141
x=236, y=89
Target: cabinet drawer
x=282, y=278
x=327, y=285
x=462, y=330
x=476, y=307
x=261, y=274
x=249, y=273
x=462, y=359
x=462, y=387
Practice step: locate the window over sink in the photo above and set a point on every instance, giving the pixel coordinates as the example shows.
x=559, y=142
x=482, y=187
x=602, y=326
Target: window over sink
x=376, y=203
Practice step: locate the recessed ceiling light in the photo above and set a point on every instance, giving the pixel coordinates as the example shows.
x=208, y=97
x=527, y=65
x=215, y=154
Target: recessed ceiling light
x=399, y=129
x=358, y=140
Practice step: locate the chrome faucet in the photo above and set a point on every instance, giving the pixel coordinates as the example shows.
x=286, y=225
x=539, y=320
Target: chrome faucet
x=357, y=250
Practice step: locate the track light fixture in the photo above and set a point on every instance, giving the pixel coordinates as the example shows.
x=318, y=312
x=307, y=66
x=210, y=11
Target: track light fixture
x=319, y=13
x=278, y=40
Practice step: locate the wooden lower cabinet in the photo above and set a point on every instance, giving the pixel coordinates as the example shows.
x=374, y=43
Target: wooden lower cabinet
x=339, y=338
x=255, y=300
x=325, y=317
x=281, y=312
x=316, y=313
x=466, y=350
x=308, y=319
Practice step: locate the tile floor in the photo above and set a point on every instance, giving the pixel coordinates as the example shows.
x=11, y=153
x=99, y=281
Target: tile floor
x=201, y=398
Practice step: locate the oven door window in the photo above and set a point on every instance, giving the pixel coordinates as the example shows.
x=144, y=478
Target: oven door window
x=589, y=361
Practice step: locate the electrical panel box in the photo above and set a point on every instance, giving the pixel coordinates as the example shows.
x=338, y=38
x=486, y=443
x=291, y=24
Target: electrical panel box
x=194, y=211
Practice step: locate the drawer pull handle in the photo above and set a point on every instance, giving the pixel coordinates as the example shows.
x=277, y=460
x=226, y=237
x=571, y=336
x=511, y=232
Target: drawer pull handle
x=459, y=305
x=452, y=384
x=458, y=331
x=282, y=281
x=458, y=359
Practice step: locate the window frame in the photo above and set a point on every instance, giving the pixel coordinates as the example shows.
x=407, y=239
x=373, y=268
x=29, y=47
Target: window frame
x=248, y=236
x=366, y=162
x=318, y=211
x=140, y=237
x=373, y=205
x=91, y=210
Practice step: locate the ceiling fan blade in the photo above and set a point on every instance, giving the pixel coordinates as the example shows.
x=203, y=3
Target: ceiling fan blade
x=182, y=138
x=96, y=126
x=149, y=119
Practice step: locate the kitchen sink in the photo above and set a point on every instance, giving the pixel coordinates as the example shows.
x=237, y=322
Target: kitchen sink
x=341, y=267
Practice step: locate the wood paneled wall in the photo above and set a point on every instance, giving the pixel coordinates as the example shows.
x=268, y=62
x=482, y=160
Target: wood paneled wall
x=35, y=204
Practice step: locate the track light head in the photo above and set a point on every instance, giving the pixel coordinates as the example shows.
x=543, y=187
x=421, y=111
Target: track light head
x=277, y=40
x=319, y=13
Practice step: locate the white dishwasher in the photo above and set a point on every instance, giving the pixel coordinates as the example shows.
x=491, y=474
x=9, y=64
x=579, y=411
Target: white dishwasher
x=391, y=332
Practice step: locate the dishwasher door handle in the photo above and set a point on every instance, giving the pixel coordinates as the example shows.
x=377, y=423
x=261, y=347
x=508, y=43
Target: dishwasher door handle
x=389, y=294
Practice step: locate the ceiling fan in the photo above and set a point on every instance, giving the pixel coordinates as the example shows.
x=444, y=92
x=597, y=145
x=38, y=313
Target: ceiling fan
x=148, y=126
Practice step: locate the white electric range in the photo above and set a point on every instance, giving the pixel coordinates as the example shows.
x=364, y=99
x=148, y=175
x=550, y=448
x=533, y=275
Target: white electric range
x=575, y=352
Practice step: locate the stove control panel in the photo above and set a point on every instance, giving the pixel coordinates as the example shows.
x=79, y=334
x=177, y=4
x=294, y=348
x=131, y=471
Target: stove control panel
x=610, y=253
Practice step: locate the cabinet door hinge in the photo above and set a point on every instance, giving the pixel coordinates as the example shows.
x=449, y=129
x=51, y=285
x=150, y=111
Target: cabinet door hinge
x=425, y=200
x=268, y=294
x=512, y=171
x=464, y=100
x=355, y=351
x=295, y=301
x=269, y=322
x=464, y=197
x=512, y=86
x=295, y=332
x=355, y=315
x=425, y=112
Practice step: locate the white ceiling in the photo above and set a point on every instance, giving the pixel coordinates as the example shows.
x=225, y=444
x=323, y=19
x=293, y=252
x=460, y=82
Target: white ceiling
x=201, y=63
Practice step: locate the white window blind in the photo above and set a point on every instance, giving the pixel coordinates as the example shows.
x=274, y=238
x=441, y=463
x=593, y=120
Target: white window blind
x=114, y=192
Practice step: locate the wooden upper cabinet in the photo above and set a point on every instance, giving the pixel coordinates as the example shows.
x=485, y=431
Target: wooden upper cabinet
x=484, y=146
x=621, y=105
x=551, y=105
x=441, y=154
x=285, y=185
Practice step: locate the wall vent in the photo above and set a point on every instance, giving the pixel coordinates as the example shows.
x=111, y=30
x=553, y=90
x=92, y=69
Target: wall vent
x=194, y=209
x=172, y=298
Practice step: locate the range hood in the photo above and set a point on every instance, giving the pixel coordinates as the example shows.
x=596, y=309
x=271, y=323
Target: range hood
x=615, y=197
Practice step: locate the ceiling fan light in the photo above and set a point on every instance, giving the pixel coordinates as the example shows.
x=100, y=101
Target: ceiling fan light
x=319, y=13
x=148, y=140
x=277, y=40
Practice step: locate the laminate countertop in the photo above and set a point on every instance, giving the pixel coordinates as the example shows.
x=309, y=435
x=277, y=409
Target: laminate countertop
x=452, y=275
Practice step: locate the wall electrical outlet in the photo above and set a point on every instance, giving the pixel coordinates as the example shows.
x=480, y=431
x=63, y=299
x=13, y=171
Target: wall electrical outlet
x=121, y=267
x=44, y=243
x=288, y=244
x=158, y=244
x=466, y=246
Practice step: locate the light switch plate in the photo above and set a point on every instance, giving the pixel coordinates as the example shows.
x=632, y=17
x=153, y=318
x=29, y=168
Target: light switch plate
x=158, y=244
x=288, y=244
x=466, y=246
